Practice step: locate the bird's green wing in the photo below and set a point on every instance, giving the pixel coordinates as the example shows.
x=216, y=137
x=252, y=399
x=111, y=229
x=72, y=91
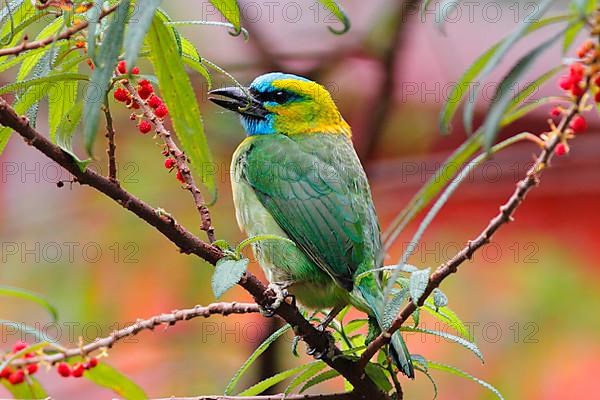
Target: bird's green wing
x=316, y=190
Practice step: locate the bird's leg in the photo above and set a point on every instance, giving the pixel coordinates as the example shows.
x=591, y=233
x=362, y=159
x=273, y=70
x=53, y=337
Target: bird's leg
x=330, y=317
x=279, y=290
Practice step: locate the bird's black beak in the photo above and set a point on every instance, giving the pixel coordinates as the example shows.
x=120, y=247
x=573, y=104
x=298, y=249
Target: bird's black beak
x=235, y=99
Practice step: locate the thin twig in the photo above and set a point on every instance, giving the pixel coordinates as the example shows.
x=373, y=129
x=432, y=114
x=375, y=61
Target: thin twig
x=190, y=244
x=25, y=45
x=168, y=319
x=111, y=149
x=181, y=160
x=504, y=216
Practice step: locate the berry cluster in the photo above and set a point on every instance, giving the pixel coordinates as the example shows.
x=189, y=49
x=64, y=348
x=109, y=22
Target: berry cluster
x=145, y=91
x=170, y=164
x=582, y=74
x=16, y=376
x=76, y=370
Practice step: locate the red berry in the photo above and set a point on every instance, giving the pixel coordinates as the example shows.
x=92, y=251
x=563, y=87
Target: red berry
x=145, y=91
x=597, y=97
x=17, y=377
x=597, y=80
x=121, y=95
x=145, y=126
x=144, y=82
x=576, y=71
x=561, y=149
x=121, y=67
x=555, y=112
x=161, y=111
x=6, y=372
x=133, y=116
x=179, y=177
x=64, y=369
x=170, y=163
x=578, y=124
x=565, y=82
x=92, y=363
x=585, y=48
x=19, y=345
x=135, y=105
x=135, y=70
x=32, y=369
x=577, y=90
x=154, y=101
x=78, y=370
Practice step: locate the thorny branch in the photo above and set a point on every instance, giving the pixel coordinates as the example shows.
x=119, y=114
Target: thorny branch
x=25, y=45
x=504, y=216
x=181, y=160
x=169, y=319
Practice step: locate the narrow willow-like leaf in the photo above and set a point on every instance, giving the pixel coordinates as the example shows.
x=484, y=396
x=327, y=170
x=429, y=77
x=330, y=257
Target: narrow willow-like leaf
x=29, y=296
x=456, y=339
x=304, y=376
x=523, y=29
x=106, y=62
x=231, y=12
x=65, y=131
x=531, y=89
x=61, y=97
x=460, y=373
x=26, y=84
x=378, y=376
x=432, y=187
x=192, y=59
x=227, y=274
x=322, y=377
x=503, y=96
x=392, y=307
x=177, y=91
x=137, y=30
x=29, y=63
x=529, y=107
x=108, y=377
x=30, y=389
x=23, y=16
x=253, y=357
x=571, y=34
x=272, y=381
x=339, y=13
x=93, y=15
x=428, y=375
x=448, y=317
x=11, y=62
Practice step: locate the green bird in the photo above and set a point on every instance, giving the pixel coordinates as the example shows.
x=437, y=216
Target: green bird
x=297, y=176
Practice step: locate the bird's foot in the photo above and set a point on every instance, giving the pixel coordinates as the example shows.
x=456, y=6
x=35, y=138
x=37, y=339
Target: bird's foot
x=280, y=293
x=327, y=352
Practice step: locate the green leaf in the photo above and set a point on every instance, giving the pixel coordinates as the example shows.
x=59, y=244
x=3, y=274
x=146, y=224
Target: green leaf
x=108, y=377
x=339, y=13
x=50, y=30
x=137, y=30
x=418, y=283
x=253, y=357
x=192, y=59
x=106, y=62
x=93, y=16
x=260, y=238
x=30, y=389
x=449, y=317
x=231, y=12
x=416, y=316
x=64, y=134
x=571, y=34
x=322, y=377
x=11, y=62
x=510, y=117
x=272, y=381
x=531, y=88
x=227, y=274
x=29, y=296
x=378, y=376
x=503, y=96
x=392, y=308
x=178, y=93
x=67, y=76
x=456, y=339
x=311, y=371
x=428, y=375
x=523, y=29
x=457, y=372
x=439, y=299
x=61, y=97
x=434, y=185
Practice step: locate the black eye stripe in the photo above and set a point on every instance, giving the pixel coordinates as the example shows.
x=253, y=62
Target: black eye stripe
x=276, y=96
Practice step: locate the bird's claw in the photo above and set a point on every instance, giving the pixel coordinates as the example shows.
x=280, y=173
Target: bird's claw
x=327, y=351
x=280, y=292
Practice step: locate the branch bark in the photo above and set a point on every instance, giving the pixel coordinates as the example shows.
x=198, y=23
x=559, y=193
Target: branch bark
x=25, y=45
x=190, y=244
x=147, y=324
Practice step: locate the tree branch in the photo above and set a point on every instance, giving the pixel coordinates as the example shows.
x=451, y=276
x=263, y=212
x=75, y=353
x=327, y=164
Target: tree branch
x=111, y=147
x=147, y=324
x=190, y=244
x=25, y=45
x=504, y=216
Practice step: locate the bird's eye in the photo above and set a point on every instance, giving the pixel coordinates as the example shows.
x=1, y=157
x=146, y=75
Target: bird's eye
x=280, y=97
